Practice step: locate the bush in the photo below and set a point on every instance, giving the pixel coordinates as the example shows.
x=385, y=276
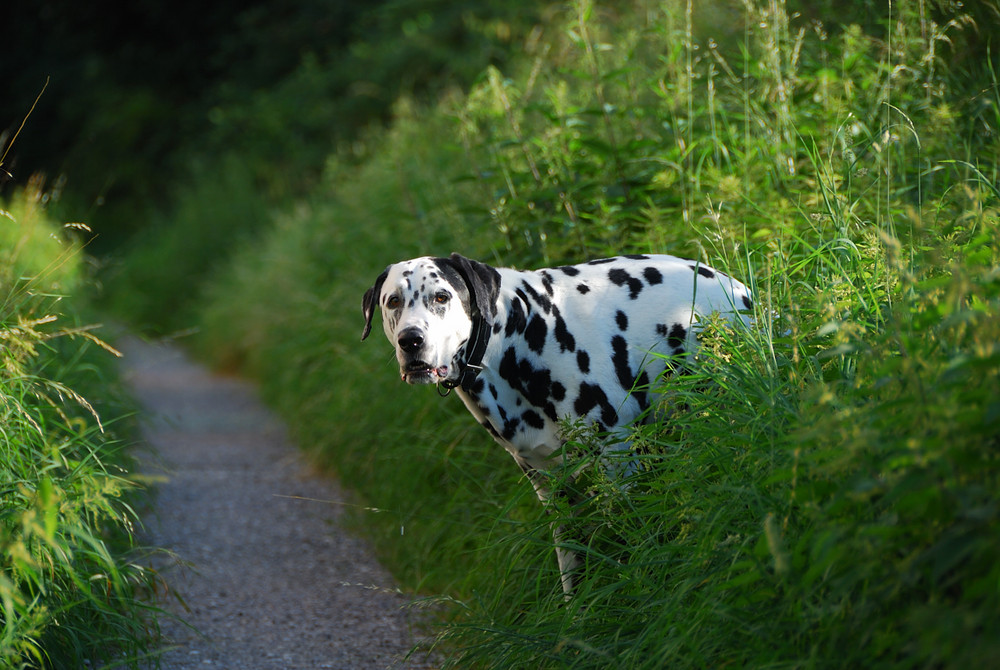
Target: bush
x=70, y=592
x=819, y=493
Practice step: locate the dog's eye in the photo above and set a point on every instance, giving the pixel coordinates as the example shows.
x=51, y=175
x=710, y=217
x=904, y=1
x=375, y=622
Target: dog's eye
x=441, y=298
x=392, y=302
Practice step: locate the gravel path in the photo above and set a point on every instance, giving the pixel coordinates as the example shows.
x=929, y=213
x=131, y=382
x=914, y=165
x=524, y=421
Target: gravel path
x=269, y=580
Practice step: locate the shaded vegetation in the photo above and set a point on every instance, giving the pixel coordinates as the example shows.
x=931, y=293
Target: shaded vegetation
x=821, y=496
x=139, y=93
x=822, y=493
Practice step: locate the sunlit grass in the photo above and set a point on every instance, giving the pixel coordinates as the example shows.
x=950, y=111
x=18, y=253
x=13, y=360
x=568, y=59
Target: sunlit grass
x=69, y=591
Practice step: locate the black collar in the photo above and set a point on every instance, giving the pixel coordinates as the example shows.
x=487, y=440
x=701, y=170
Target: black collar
x=473, y=364
x=470, y=368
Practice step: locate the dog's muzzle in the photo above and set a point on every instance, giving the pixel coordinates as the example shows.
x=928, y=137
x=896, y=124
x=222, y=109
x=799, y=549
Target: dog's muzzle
x=410, y=342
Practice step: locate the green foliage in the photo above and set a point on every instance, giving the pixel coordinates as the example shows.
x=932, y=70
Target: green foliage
x=31, y=249
x=168, y=262
x=69, y=593
x=821, y=499
x=819, y=491
x=131, y=107
x=285, y=131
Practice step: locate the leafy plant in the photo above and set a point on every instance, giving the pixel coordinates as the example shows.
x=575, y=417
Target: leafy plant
x=817, y=491
x=70, y=592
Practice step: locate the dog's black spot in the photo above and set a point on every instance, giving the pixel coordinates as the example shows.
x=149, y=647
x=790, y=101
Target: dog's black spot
x=638, y=387
x=516, y=319
x=619, y=357
x=558, y=391
x=675, y=339
x=565, y=338
x=620, y=277
x=591, y=396
x=510, y=429
x=637, y=257
x=583, y=289
x=541, y=300
x=531, y=418
x=493, y=431
x=510, y=424
x=641, y=391
x=583, y=361
x=524, y=299
x=622, y=320
x=493, y=391
x=747, y=302
x=653, y=276
x=535, y=333
x=569, y=270
x=703, y=271
x=547, y=282
x=535, y=384
x=477, y=387
x=508, y=363
x=677, y=336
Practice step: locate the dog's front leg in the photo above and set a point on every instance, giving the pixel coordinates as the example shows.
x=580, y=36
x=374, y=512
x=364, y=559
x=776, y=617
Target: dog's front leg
x=569, y=561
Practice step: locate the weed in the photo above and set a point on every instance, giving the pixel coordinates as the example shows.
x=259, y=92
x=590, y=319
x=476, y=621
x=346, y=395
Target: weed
x=70, y=592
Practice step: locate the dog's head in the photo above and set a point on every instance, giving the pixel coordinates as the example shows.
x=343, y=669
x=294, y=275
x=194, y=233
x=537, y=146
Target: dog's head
x=428, y=306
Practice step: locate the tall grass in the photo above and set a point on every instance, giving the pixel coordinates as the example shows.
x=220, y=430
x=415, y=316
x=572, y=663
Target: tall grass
x=214, y=209
x=820, y=491
x=70, y=593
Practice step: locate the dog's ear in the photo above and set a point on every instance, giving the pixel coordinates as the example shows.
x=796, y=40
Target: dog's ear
x=370, y=301
x=483, y=282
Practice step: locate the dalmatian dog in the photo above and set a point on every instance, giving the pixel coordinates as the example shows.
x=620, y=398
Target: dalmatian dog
x=525, y=350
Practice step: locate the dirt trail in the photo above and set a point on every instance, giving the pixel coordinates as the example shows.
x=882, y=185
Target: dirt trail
x=270, y=580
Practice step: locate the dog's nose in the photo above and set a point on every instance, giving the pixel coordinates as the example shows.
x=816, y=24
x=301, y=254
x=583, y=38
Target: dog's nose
x=410, y=340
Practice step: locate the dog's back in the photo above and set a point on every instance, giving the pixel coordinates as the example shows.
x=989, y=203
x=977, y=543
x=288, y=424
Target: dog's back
x=589, y=342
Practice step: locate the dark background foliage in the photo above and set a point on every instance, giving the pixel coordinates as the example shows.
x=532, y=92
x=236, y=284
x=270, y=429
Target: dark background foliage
x=138, y=91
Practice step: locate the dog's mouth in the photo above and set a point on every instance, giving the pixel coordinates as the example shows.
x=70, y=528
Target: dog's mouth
x=419, y=372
